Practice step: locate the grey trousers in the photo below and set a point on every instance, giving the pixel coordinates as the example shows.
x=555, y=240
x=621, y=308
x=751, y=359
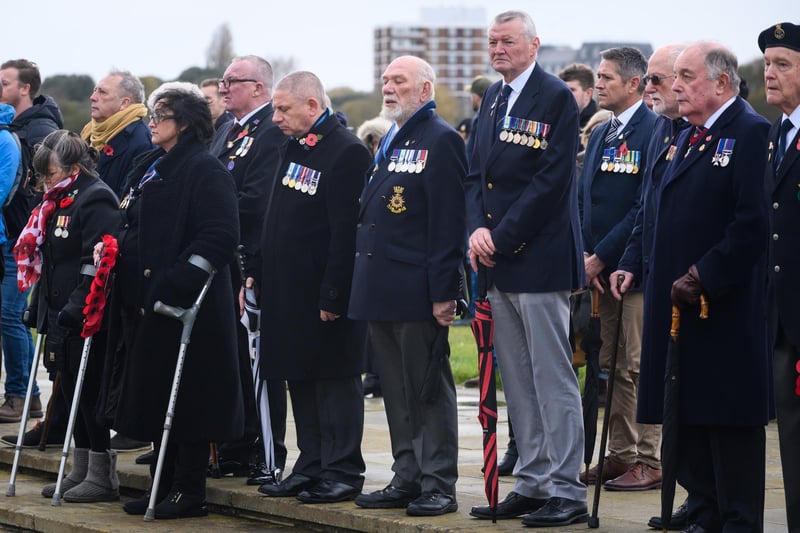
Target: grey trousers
x=532, y=342
x=424, y=435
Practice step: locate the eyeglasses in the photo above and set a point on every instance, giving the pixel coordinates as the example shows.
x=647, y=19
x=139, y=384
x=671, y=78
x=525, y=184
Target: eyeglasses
x=655, y=79
x=157, y=117
x=227, y=82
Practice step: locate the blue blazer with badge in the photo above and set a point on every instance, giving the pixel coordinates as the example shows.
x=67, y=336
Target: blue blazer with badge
x=712, y=212
x=527, y=197
x=410, y=235
x=610, y=200
x=783, y=195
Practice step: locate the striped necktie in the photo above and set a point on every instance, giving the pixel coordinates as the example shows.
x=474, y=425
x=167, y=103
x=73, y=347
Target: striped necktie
x=613, y=130
x=501, y=109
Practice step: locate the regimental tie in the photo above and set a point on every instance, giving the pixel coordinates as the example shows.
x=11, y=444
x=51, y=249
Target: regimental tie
x=501, y=110
x=234, y=131
x=786, y=125
x=613, y=130
x=696, y=134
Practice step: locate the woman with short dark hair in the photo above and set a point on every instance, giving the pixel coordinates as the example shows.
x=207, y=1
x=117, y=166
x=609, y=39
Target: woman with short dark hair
x=55, y=248
x=180, y=221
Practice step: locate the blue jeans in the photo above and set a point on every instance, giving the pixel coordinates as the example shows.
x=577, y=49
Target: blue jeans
x=17, y=339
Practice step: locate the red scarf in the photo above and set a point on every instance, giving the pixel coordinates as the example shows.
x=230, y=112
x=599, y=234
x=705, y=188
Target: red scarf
x=27, y=250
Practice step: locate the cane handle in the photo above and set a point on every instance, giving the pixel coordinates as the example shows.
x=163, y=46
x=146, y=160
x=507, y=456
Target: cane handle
x=703, y=306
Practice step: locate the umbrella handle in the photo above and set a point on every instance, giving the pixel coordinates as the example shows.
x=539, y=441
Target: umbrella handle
x=596, y=303
x=703, y=306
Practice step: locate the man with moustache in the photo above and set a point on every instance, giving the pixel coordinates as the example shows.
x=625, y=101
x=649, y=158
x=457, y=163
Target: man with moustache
x=249, y=147
x=635, y=262
x=522, y=215
x=710, y=237
x=406, y=281
x=781, y=47
x=611, y=182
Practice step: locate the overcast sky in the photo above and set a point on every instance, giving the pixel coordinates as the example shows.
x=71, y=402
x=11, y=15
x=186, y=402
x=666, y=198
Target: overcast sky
x=333, y=38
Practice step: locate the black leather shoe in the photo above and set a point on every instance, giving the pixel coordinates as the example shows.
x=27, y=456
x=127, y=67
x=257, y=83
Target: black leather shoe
x=678, y=521
x=180, y=505
x=390, y=497
x=695, y=528
x=260, y=474
x=137, y=506
x=506, y=465
x=557, y=512
x=432, y=504
x=329, y=491
x=291, y=486
x=146, y=458
x=512, y=506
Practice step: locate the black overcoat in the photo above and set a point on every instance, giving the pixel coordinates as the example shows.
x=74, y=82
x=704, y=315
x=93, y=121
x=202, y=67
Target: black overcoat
x=189, y=209
x=307, y=251
x=713, y=216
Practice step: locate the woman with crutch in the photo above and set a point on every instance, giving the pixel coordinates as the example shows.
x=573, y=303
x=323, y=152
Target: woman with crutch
x=55, y=248
x=180, y=222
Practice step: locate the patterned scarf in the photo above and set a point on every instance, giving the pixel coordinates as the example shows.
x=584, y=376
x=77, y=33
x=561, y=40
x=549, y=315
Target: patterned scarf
x=27, y=250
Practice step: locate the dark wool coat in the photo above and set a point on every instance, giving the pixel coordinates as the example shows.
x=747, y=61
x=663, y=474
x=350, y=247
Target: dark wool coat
x=117, y=158
x=307, y=253
x=715, y=217
x=190, y=209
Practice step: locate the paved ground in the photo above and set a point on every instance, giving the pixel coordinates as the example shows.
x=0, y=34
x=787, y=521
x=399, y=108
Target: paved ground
x=618, y=512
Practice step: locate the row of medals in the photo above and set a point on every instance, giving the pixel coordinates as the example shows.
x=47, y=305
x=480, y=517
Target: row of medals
x=62, y=221
x=305, y=183
x=511, y=136
x=412, y=167
x=620, y=166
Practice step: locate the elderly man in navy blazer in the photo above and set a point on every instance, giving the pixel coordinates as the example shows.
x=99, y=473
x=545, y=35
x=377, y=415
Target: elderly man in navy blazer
x=710, y=237
x=406, y=280
x=781, y=46
x=523, y=222
x=611, y=184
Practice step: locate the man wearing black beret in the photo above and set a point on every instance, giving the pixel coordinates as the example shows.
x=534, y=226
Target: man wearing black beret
x=781, y=47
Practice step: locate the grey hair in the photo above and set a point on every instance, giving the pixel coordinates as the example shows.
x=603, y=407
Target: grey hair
x=130, y=85
x=303, y=84
x=630, y=62
x=179, y=86
x=528, y=27
x=262, y=70
x=720, y=60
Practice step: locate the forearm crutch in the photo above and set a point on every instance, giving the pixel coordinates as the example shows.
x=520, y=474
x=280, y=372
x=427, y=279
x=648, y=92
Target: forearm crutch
x=25, y=412
x=187, y=318
x=73, y=413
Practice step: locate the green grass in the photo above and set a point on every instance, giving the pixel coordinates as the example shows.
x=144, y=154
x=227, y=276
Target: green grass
x=463, y=354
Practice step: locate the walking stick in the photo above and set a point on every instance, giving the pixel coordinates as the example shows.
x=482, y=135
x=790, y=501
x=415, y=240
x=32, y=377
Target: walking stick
x=25, y=412
x=47, y=416
x=187, y=318
x=594, y=521
x=73, y=413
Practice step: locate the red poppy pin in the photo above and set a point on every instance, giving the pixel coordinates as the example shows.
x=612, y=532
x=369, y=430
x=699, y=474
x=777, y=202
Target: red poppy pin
x=311, y=139
x=66, y=202
x=623, y=150
x=108, y=150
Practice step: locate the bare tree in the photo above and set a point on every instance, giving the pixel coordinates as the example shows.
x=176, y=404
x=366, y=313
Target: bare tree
x=281, y=66
x=220, y=51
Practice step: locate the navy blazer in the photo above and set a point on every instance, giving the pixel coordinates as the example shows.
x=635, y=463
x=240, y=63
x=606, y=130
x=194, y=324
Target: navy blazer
x=410, y=235
x=783, y=195
x=528, y=197
x=609, y=200
x=713, y=216
x=636, y=258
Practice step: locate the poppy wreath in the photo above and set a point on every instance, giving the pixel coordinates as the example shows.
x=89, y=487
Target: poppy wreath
x=797, y=384
x=98, y=292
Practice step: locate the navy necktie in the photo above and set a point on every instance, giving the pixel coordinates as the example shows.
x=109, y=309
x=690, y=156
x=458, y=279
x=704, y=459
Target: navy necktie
x=786, y=125
x=612, y=130
x=501, y=109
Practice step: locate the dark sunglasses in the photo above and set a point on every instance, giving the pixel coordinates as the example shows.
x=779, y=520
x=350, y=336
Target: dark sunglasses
x=656, y=79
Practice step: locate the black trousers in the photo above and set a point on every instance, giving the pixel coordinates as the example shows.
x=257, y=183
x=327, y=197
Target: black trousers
x=329, y=418
x=787, y=405
x=723, y=469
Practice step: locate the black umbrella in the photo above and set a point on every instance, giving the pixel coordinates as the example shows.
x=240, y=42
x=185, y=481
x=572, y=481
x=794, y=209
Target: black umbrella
x=483, y=330
x=669, y=420
x=591, y=344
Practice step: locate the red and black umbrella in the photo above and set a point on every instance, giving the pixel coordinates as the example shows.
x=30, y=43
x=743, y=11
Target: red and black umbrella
x=483, y=329
x=669, y=420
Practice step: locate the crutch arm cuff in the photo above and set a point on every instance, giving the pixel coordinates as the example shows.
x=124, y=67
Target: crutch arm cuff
x=202, y=263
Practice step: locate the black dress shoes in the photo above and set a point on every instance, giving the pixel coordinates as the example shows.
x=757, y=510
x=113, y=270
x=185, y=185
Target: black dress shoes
x=146, y=458
x=180, y=505
x=512, y=506
x=260, y=474
x=506, y=465
x=291, y=486
x=678, y=521
x=329, y=491
x=557, y=512
x=390, y=497
x=432, y=504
